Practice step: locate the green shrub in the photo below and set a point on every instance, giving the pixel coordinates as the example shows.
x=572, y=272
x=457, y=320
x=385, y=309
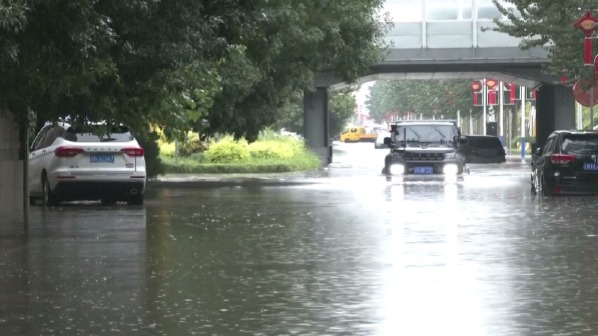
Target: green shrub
x=272, y=153
x=271, y=150
x=191, y=146
x=227, y=150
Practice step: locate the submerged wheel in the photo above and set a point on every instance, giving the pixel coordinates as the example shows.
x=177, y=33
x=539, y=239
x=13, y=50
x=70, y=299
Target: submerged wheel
x=48, y=197
x=546, y=188
x=136, y=200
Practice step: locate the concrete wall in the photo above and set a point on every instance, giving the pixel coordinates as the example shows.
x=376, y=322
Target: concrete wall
x=555, y=109
x=315, y=123
x=12, y=180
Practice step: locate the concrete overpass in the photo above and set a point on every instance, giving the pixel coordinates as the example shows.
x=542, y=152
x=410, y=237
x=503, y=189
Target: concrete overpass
x=461, y=46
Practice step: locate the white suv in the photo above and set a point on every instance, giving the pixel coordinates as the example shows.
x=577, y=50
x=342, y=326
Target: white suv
x=66, y=164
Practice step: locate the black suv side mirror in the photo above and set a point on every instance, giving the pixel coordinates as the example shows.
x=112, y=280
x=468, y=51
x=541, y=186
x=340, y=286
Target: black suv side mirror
x=463, y=140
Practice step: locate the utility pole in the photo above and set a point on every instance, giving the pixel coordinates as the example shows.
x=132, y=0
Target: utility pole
x=523, y=103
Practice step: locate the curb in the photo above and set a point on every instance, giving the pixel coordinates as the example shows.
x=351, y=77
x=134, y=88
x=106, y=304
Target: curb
x=213, y=181
x=225, y=183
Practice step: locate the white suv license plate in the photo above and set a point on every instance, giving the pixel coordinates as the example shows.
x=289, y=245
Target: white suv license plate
x=590, y=166
x=423, y=170
x=95, y=158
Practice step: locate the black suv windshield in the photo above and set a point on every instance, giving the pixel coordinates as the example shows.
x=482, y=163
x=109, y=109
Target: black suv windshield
x=579, y=144
x=428, y=134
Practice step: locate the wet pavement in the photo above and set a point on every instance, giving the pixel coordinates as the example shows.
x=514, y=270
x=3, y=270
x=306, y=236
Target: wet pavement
x=337, y=252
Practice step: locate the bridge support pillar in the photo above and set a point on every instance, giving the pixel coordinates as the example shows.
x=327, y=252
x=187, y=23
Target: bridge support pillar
x=555, y=109
x=315, y=123
x=13, y=169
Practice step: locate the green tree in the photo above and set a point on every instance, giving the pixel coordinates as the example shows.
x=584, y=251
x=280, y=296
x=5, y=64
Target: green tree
x=429, y=98
x=550, y=23
x=304, y=38
x=341, y=108
x=226, y=65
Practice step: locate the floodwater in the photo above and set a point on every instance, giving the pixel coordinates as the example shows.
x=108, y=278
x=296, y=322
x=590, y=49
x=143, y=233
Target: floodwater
x=347, y=254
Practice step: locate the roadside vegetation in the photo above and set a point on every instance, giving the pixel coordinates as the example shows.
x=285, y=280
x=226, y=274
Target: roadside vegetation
x=270, y=153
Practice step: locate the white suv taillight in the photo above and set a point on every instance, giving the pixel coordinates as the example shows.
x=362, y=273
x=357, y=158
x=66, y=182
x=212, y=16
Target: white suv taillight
x=133, y=151
x=67, y=151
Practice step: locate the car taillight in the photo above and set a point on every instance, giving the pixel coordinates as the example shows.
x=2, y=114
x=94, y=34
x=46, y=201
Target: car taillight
x=561, y=158
x=66, y=151
x=133, y=151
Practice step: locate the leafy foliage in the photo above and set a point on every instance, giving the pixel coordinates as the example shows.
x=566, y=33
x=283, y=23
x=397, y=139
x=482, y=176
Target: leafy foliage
x=341, y=108
x=227, y=150
x=222, y=66
x=272, y=152
x=304, y=37
x=551, y=22
x=430, y=98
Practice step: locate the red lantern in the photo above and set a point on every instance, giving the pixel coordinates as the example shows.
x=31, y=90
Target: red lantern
x=491, y=83
x=587, y=24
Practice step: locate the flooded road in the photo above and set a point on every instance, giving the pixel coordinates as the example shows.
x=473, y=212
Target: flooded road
x=347, y=254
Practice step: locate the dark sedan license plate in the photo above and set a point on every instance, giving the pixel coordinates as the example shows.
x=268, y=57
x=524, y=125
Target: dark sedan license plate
x=590, y=166
x=101, y=158
x=423, y=170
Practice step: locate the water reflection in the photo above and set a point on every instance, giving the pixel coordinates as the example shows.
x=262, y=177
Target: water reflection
x=356, y=256
x=80, y=270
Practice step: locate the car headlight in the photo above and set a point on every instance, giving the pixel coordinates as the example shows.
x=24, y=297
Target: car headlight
x=451, y=155
x=450, y=169
x=397, y=169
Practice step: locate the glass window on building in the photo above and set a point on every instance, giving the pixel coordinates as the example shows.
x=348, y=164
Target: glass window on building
x=448, y=10
x=404, y=10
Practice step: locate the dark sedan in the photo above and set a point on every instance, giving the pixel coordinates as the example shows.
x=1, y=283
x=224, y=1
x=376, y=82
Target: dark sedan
x=483, y=149
x=567, y=164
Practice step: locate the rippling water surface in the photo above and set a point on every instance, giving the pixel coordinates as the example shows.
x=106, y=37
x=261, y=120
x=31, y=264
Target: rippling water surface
x=350, y=255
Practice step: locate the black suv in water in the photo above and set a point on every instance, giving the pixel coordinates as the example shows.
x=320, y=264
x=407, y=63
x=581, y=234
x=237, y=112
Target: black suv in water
x=567, y=164
x=424, y=147
x=484, y=149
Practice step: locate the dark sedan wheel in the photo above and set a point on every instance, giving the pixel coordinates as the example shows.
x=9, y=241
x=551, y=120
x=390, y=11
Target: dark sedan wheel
x=547, y=189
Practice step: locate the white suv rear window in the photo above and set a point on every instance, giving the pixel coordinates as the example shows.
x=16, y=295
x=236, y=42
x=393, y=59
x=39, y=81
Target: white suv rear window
x=116, y=134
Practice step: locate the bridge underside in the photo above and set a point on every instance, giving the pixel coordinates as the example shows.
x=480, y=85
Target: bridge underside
x=555, y=105
x=509, y=64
